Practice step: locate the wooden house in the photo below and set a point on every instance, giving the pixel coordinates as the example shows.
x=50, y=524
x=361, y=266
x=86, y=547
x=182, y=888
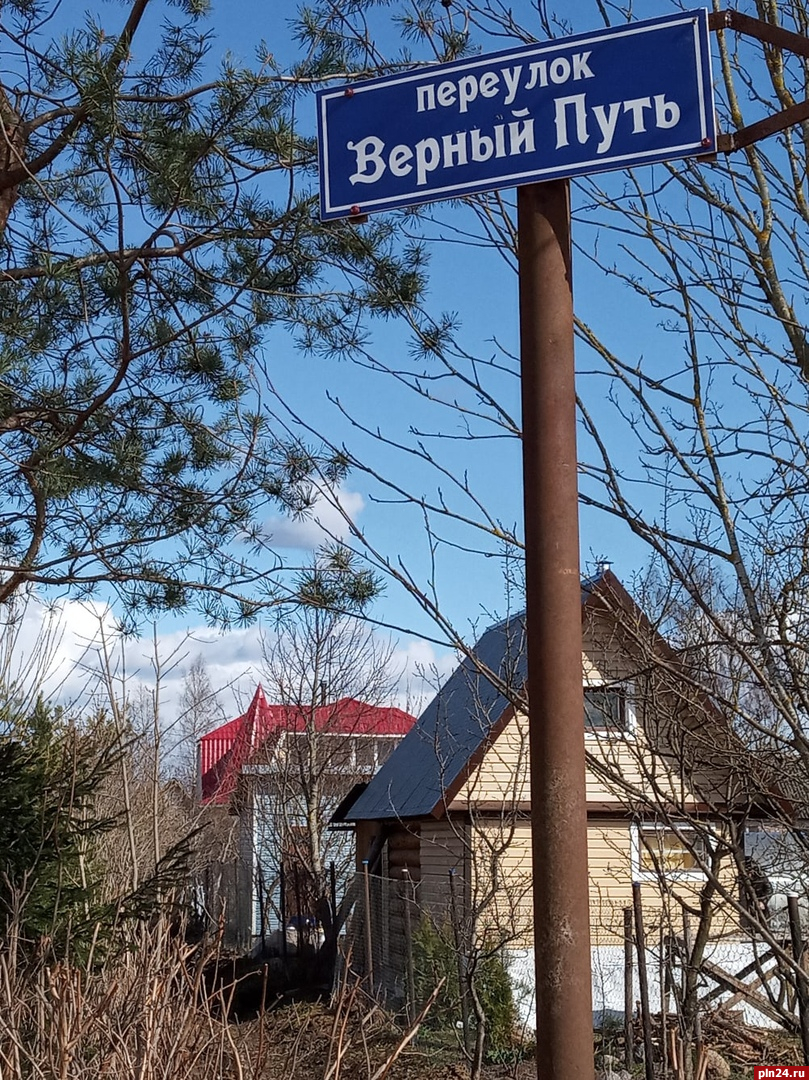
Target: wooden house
x=670, y=791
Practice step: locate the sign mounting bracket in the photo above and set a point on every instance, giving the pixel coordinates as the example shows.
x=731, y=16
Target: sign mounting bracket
x=769, y=35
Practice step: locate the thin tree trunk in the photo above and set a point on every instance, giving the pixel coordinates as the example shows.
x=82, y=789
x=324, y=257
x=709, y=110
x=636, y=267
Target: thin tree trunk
x=640, y=941
x=118, y=719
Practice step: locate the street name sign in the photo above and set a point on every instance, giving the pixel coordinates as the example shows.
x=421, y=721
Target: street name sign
x=611, y=99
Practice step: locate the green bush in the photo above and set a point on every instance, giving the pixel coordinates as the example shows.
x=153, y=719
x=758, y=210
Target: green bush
x=496, y=994
x=48, y=775
x=433, y=960
x=435, y=957
x=53, y=891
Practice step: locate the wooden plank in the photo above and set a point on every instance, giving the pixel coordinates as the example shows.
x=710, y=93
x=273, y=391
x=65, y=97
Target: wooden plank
x=730, y=982
x=748, y=969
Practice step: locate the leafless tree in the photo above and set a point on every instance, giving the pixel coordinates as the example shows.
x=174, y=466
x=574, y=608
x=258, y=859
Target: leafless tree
x=325, y=674
x=200, y=711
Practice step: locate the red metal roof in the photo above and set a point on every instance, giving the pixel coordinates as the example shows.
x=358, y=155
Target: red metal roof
x=225, y=750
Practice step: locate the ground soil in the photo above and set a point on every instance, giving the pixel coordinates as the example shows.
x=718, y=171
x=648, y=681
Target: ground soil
x=301, y=1042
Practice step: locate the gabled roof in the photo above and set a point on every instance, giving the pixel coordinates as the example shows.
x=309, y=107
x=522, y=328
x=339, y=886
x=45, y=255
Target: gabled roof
x=453, y=730
x=223, y=751
x=429, y=766
x=226, y=750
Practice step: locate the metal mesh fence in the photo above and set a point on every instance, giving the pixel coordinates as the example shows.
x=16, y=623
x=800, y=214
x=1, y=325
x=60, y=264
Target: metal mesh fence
x=403, y=939
x=404, y=936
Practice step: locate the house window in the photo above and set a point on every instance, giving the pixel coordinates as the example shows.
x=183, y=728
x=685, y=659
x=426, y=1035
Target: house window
x=334, y=751
x=384, y=748
x=674, y=851
x=606, y=708
x=365, y=752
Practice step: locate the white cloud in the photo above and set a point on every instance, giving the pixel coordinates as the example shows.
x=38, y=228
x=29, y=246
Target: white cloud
x=232, y=661
x=73, y=653
x=325, y=521
x=52, y=648
x=234, y=664
x=61, y=650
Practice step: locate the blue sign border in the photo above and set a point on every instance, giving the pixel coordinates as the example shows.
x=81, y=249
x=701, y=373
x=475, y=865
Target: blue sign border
x=331, y=99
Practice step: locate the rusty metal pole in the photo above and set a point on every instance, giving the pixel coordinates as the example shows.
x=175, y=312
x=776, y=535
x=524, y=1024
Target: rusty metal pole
x=553, y=604
x=629, y=993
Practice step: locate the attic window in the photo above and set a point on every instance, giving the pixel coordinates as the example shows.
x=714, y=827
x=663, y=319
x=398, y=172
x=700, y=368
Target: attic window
x=605, y=708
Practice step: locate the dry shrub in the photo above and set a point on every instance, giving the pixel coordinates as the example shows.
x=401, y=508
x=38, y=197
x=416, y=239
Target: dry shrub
x=151, y=1010
x=143, y=1012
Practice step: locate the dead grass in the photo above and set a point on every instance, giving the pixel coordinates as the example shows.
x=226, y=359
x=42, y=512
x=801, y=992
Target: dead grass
x=148, y=1012
x=302, y=1042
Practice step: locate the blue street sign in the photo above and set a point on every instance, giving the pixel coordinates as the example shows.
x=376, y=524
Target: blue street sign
x=614, y=98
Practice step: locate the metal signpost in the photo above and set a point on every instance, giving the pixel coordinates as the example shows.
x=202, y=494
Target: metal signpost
x=611, y=99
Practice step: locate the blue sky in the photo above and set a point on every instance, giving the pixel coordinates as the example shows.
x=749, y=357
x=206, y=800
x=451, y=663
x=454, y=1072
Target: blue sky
x=479, y=286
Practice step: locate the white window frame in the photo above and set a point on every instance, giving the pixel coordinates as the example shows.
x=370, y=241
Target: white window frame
x=629, y=730
x=639, y=873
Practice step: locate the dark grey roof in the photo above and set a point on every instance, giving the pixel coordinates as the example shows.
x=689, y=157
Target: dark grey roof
x=426, y=766
x=455, y=726
x=426, y=769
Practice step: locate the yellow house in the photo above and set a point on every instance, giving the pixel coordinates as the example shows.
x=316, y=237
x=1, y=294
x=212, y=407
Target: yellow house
x=670, y=792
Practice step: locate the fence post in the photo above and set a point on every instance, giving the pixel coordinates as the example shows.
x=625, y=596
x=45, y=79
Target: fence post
x=369, y=957
x=303, y=935
x=262, y=910
x=410, y=999
x=643, y=980
x=800, y=975
x=688, y=942
x=460, y=957
x=282, y=878
x=629, y=993
x=664, y=1003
